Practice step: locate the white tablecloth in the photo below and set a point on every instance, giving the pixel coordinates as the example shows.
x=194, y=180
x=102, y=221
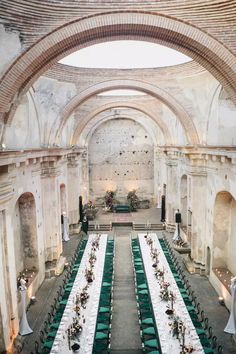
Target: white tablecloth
x=169, y=344
x=60, y=345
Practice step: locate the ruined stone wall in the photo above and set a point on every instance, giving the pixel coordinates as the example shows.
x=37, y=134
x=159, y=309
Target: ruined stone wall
x=121, y=158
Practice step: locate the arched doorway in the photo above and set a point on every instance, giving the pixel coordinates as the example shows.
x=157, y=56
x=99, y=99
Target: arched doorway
x=26, y=248
x=224, y=230
x=26, y=240
x=157, y=28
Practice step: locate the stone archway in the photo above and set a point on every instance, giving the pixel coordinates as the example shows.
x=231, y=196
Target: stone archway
x=88, y=130
x=224, y=231
x=183, y=200
x=26, y=241
x=141, y=86
x=82, y=123
x=158, y=28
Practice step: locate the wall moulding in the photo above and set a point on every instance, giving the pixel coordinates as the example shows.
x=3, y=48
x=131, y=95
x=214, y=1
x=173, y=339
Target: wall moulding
x=6, y=191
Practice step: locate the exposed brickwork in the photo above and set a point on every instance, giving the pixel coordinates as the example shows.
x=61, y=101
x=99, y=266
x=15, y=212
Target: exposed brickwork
x=202, y=47
x=155, y=91
x=114, y=113
x=84, y=77
x=82, y=123
x=36, y=18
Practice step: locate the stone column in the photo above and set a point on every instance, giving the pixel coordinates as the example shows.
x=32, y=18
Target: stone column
x=172, y=189
x=51, y=208
x=159, y=175
x=197, y=204
x=85, y=176
x=74, y=186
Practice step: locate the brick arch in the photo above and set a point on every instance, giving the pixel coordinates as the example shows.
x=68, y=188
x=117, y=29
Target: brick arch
x=165, y=97
x=101, y=120
x=158, y=28
x=81, y=124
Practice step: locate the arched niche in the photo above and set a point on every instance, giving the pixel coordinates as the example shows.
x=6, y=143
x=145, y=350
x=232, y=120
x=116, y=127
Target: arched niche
x=224, y=232
x=25, y=240
x=183, y=199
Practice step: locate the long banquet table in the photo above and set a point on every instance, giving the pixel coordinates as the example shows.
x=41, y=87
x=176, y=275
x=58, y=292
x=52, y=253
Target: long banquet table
x=89, y=314
x=169, y=344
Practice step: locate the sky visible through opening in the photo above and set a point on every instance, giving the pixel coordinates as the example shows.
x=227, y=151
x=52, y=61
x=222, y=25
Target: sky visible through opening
x=125, y=55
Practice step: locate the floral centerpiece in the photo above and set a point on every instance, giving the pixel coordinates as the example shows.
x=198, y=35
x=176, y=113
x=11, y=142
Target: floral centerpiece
x=89, y=275
x=92, y=258
x=109, y=200
x=95, y=243
x=164, y=292
x=84, y=296
x=133, y=200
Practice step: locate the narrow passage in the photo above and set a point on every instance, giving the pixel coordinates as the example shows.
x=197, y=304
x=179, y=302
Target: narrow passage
x=125, y=337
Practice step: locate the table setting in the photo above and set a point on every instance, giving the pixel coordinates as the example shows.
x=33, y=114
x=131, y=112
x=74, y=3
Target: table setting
x=77, y=327
x=176, y=331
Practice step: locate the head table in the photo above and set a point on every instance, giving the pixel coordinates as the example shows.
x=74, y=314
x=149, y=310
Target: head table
x=169, y=343
x=88, y=314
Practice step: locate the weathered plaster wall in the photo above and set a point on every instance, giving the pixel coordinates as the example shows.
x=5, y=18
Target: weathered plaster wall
x=221, y=127
x=30, y=235
x=156, y=108
x=34, y=120
x=208, y=173
x=10, y=46
x=122, y=112
x=121, y=158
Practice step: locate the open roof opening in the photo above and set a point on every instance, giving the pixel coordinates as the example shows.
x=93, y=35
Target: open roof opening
x=122, y=92
x=125, y=55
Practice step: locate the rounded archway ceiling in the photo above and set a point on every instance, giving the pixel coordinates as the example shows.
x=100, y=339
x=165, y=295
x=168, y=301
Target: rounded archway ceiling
x=142, y=86
x=157, y=28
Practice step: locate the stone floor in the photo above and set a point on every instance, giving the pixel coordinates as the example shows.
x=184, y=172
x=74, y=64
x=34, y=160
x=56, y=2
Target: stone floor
x=125, y=327
x=151, y=215
x=128, y=341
